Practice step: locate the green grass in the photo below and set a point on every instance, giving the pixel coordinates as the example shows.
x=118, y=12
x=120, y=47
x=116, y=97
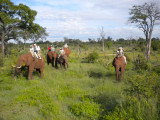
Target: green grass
x=84, y=91
x=52, y=96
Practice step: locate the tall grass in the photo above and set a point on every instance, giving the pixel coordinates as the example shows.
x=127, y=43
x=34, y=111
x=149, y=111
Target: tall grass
x=83, y=91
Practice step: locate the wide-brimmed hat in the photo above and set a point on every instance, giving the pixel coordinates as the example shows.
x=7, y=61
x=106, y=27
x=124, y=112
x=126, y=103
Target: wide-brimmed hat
x=66, y=45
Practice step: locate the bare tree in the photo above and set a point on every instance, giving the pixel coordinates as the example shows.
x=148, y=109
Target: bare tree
x=146, y=16
x=102, y=34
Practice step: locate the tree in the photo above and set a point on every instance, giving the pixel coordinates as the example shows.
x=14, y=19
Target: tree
x=66, y=40
x=38, y=33
x=145, y=16
x=102, y=34
x=14, y=18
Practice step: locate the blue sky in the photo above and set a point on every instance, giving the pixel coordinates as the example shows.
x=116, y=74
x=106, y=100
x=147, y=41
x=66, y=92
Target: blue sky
x=82, y=19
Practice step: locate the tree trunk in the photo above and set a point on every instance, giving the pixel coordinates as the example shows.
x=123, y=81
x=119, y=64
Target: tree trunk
x=24, y=44
x=149, y=46
x=2, y=38
x=103, y=44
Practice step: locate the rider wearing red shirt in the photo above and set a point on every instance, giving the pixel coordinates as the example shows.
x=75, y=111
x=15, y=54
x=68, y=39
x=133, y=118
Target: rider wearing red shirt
x=49, y=48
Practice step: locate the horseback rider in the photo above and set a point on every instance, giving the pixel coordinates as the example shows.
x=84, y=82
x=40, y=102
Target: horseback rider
x=52, y=48
x=66, y=46
x=49, y=48
x=120, y=53
x=61, y=52
x=37, y=51
x=31, y=49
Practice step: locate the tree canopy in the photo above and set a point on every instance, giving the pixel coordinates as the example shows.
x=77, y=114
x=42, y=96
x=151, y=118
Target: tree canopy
x=146, y=16
x=17, y=22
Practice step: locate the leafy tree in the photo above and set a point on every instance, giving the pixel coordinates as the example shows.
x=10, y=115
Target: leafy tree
x=109, y=44
x=38, y=33
x=11, y=18
x=8, y=19
x=155, y=45
x=145, y=17
x=92, y=57
x=16, y=22
x=91, y=40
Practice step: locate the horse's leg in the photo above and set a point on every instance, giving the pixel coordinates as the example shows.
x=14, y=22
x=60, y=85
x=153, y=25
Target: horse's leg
x=48, y=60
x=65, y=65
x=61, y=65
x=41, y=72
x=117, y=73
x=56, y=63
x=30, y=72
x=122, y=71
x=52, y=61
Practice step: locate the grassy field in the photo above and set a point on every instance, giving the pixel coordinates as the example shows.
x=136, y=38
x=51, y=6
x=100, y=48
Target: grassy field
x=84, y=91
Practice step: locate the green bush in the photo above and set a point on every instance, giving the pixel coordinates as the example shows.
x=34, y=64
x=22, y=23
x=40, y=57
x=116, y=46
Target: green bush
x=158, y=105
x=48, y=108
x=133, y=109
x=155, y=45
x=142, y=86
x=86, y=109
x=141, y=63
x=156, y=69
x=108, y=44
x=92, y=57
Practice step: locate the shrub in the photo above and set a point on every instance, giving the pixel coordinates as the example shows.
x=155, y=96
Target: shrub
x=92, y=57
x=109, y=44
x=158, y=105
x=143, y=86
x=141, y=63
x=132, y=109
x=86, y=109
x=155, y=45
x=156, y=69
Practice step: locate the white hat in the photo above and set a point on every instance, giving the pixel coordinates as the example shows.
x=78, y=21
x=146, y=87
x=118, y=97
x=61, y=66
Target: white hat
x=120, y=47
x=66, y=45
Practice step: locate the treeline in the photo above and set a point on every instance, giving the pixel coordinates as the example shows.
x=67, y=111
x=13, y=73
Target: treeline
x=139, y=43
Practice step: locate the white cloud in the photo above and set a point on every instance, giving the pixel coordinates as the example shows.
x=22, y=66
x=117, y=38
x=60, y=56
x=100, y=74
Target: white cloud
x=82, y=19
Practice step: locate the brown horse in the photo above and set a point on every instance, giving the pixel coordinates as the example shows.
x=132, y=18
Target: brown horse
x=120, y=65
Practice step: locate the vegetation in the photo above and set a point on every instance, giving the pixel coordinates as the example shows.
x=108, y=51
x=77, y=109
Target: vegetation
x=146, y=16
x=85, y=90
x=88, y=89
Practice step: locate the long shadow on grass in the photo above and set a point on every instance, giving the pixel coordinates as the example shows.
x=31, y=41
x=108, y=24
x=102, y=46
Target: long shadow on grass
x=100, y=74
x=1, y=118
x=108, y=103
